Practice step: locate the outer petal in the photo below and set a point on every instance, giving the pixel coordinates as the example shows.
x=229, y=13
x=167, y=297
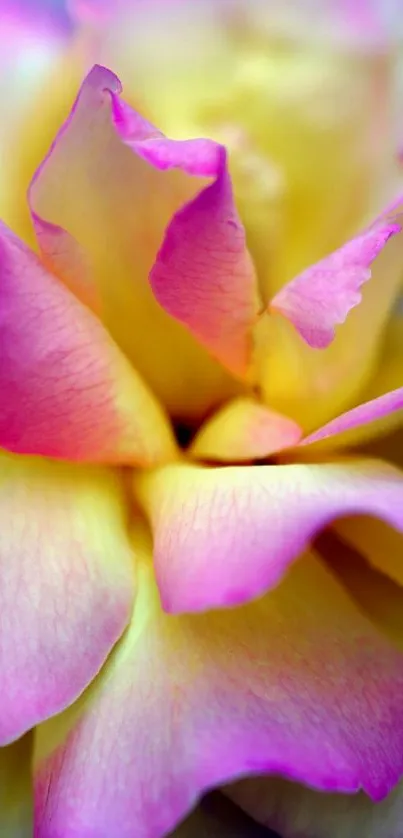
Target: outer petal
x=16, y=789
x=299, y=812
x=223, y=536
x=227, y=693
x=244, y=430
x=125, y=181
x=296, y=811
x=66, y=391
x=67, y=584
x=322, y=296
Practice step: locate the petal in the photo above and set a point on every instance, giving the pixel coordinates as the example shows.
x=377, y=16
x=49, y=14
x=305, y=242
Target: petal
x=15, y=789
x=313, y=386
x=67, y=584
x=244, y=430
x=296, y=811
x=225, y=535
x=125, y=183
x=66, y=391
x=321, y=297
x=363, y=415
x=204, y=276
x=225, y=694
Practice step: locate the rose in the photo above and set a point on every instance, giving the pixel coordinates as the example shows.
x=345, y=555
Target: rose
x=143, y=288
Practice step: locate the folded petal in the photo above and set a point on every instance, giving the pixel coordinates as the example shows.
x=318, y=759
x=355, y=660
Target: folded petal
x=299, y=683
x=367, y=414
x=125, y=183
x=225, y=535
x=66, y=584
x=16, y=807
x=322, y=296
x=204, y=276
x=296, y=811
x=66, y=390
x=244, y=430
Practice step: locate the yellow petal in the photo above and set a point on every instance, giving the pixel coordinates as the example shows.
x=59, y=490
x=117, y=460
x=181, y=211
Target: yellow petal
x=244, y=430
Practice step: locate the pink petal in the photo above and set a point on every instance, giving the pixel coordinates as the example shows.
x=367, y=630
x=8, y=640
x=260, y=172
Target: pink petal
x=288, y=807
x=244, y=430
x=315, y=386
x=321, y=297
x=204, y=277
x=299, y=683
x=364, y=414
x=66, y=391
x=67, y=584
x=223, y=536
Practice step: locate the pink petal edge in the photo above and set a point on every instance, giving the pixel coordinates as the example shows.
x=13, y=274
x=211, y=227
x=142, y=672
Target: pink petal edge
x=223, y=536
x=322, y=296
x=361, y=415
